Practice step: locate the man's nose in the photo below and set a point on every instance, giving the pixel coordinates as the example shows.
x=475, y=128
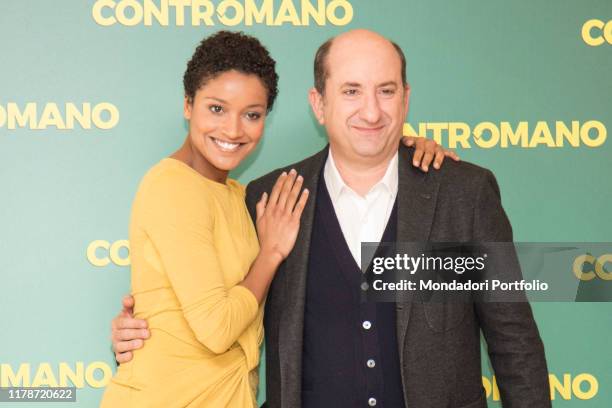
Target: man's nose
x=370, y=109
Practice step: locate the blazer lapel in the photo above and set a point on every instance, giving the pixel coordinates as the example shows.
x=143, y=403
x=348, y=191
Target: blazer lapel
x=295, y=269
x=417, y=195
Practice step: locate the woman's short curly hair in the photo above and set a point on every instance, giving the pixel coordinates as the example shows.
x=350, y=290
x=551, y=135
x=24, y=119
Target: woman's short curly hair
x=226, y=51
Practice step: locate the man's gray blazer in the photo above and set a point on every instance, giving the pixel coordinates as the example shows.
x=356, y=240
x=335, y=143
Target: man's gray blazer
x=439, y=344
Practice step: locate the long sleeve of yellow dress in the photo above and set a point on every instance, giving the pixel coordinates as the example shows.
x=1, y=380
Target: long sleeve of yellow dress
x=181, y=226
x=191, y=243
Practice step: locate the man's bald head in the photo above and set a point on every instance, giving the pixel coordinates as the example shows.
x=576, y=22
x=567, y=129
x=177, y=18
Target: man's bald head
x=351, y=38
x=361, y=97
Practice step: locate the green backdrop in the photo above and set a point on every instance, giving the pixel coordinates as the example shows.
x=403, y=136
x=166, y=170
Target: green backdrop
x=498, y=75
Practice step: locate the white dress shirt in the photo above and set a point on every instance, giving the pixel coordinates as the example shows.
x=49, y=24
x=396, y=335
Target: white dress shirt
x=361, y=218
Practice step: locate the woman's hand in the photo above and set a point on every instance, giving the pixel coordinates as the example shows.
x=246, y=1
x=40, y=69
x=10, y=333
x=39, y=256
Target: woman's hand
x=278, y=223
x=127, y=333
x=278, y=216
x=426, y=151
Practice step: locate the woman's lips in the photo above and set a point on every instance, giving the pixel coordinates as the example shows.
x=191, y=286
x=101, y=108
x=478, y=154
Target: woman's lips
x=226, y=146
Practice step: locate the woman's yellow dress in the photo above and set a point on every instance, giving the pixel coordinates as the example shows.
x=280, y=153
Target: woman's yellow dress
x=191, y=242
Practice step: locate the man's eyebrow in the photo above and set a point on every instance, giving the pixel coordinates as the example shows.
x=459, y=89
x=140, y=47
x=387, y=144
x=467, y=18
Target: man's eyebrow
x=387, y=83
x=352, y=84
x=358, y=85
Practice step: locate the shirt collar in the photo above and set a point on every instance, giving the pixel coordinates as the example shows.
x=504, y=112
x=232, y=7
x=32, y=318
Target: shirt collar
x=336, y=186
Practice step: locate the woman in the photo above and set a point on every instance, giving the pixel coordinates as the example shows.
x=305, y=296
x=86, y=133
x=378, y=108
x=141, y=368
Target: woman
x=199, y=274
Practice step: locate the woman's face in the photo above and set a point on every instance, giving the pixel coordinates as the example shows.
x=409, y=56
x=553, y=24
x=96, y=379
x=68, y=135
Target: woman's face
x=226, y=119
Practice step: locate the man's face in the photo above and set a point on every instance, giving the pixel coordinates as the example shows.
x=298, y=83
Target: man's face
x=365, y=103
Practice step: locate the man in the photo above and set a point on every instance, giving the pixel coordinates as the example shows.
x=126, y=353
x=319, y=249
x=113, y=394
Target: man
x=325, y=348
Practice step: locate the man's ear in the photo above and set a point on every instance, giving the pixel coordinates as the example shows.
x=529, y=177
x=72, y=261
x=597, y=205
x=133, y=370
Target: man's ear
x=316, y=103
x=187, y=108
x=406, y=99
